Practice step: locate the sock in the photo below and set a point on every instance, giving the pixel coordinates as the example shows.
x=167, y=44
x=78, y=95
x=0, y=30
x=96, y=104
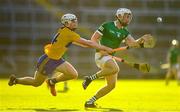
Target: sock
x=92, y=100
x=93, y=77
x=53, y=81
x=15, y=81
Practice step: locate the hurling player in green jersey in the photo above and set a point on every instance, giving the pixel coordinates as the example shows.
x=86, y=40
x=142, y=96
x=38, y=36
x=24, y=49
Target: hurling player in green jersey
x=110, y=34
x=173, y=59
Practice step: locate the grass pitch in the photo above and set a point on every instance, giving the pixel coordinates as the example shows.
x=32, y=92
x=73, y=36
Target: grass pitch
x=128, y=96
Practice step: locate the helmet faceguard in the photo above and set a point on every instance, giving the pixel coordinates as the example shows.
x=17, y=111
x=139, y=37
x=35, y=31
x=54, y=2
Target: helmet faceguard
x=122, y=12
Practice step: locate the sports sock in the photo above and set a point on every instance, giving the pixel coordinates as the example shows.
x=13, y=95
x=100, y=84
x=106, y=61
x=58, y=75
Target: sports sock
x=92, y=100
x=15, y=81
x=53, y=81
x=93, y=77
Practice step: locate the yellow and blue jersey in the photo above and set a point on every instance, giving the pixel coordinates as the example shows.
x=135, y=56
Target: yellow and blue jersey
x=55, y=51
x=60, y=43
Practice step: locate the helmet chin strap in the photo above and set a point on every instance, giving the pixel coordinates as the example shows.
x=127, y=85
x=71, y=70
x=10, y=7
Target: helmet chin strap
x=121, y=23
x=119, y=20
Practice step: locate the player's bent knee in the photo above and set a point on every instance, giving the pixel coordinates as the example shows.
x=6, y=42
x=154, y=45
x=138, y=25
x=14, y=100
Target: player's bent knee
x=112, y=66
x=114, y=69
x=75, y=76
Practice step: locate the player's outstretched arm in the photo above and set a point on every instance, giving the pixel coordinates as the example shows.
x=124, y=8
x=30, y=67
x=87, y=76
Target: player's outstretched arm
x=92, y=44
x=146, y=41
x=131, y=42
x=78, y=44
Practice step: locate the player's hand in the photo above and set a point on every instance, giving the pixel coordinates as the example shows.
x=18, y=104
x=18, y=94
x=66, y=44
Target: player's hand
x=104, y=53
x=134, y=45
x=146, y=37
x=147, y=41
x=109, y=50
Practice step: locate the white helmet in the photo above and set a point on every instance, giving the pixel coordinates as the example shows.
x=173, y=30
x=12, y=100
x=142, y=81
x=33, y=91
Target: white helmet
x=122, y=11
x=67, y=18
x=175, y=42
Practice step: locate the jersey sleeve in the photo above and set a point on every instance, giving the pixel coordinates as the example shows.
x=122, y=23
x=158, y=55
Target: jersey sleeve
x=75, y=36
x=101, y=29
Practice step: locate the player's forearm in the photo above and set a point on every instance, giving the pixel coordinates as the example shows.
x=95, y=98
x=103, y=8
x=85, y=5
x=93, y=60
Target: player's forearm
x=96, y=41
x=134, y=44
x=131, y=42
x=84, y=43
x=139, y=43
x=78, y=44
x=95, y=45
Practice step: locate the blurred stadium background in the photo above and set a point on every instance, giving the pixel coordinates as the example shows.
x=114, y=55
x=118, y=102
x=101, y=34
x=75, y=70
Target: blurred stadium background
x=27, y=25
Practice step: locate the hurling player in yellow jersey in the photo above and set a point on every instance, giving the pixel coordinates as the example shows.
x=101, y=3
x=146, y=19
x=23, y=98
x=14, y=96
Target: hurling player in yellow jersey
x=52, y=62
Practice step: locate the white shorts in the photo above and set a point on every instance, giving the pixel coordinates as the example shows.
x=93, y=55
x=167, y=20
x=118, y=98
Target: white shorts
x=175, y=66
x=101, y=60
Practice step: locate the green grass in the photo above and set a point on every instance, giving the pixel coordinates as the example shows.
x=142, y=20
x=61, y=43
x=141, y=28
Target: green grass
x=128, y=96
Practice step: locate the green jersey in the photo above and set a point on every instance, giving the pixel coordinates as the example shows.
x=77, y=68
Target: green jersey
x=174, y=53
x=111, y=35
x=65, y=56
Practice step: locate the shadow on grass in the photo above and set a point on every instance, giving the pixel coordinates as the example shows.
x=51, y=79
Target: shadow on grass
x=44, y=110
x=66, y=110
x=62, y=91
x=104, y=109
